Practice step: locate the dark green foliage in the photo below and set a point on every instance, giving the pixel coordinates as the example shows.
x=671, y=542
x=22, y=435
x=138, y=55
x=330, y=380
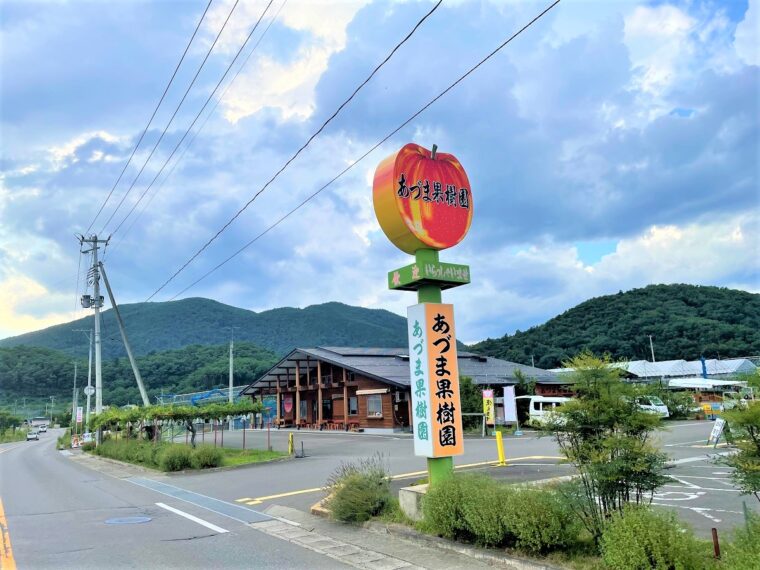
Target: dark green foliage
x=645, y=539
x=8, y=420
x=207, y=456
x=154, y=327
x=743, y=552
x=479, y=509
x=176, y=458
x=540, y=520
x=360, y=491
x=89, y=446
x=34, y=372
x=685, y=320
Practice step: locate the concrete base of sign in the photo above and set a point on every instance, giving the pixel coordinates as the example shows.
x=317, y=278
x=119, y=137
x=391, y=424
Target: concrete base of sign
x=410, y=501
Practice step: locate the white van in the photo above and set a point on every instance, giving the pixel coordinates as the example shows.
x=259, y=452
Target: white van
x=541, y=407
x=654, y=405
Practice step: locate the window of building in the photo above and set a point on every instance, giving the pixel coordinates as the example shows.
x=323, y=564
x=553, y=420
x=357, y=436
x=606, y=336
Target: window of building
x=353, y=406
x=374, y=405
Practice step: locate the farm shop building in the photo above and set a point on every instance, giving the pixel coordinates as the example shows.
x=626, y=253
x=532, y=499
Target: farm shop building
x=368, y=388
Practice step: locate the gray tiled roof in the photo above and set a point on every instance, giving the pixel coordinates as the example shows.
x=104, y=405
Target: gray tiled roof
x=391, y=365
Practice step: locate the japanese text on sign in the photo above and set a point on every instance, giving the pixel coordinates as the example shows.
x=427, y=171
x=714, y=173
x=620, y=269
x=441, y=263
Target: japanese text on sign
x=427, y=192
x=437, y=416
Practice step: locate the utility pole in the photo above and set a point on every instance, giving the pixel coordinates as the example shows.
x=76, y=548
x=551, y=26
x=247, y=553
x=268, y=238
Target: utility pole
x=651, y=347
x=74, y=397
x=132, y=361
x=88, y=334
x=95, y=303
x=52, y=404
x=232, y=343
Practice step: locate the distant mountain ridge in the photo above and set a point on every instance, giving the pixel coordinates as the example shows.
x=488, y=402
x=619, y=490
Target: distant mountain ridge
x=685, y=321
x=155, y=327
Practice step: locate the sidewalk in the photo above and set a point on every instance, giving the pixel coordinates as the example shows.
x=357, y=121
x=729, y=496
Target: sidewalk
x=376, y=546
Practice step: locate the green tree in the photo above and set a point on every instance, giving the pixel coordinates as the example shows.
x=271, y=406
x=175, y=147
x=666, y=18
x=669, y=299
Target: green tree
x=745, y=429
x=605, y=435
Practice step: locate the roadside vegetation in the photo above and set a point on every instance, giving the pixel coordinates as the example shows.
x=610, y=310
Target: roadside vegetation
x=602, y=519
x=10, y=429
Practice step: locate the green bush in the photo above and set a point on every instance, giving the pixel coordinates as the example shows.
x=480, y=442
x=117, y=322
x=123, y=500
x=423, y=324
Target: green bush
x=89, y=446
x=642, y=539
x=540, y=520
x=175, y=458
x=442, y=508
x=360, y=491
x=743, y=552
x=482, y=507
x=205, y=457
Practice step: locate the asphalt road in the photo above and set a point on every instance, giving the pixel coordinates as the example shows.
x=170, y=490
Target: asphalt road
x=57, y=510
x=59, y=514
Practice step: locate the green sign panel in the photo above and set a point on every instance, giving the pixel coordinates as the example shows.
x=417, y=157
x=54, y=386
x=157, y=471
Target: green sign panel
x=444, y=275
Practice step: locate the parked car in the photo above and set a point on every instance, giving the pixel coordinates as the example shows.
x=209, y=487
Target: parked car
x=654, y=405
x=32, y=434
x=543, y=407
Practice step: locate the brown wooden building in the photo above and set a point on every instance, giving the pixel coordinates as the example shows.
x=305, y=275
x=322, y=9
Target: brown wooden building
x=367, y=388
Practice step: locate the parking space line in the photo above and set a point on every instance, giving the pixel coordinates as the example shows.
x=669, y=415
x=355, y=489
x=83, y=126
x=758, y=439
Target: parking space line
x=193, y=518
x=7, y=562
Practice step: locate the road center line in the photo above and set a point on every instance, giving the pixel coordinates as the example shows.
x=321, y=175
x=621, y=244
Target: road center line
x=7, y=562
x=193, y=518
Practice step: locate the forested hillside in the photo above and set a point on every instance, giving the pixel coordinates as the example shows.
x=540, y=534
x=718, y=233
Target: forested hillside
x=38, y=373
x=685, y=321
x=171, y=325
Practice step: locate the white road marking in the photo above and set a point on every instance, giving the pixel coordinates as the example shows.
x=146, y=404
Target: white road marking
x=703, y=440
x=683, y=495
x=699, y=477
x=193, y=518
x=699, y=458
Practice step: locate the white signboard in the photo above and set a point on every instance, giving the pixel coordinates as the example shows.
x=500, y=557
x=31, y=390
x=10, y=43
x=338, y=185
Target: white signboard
x=717, y=431
x=510, y=405
x=419, y=367
x=89, y=391
x=80, y=410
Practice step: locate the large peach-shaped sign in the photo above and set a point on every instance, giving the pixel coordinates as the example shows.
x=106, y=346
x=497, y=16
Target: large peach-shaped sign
x=422, y=199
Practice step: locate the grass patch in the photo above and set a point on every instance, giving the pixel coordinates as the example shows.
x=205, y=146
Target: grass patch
x=10, y=434
x=64, y=441
x=177, y=456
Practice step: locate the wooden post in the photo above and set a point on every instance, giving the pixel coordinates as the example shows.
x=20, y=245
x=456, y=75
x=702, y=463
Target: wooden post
x=277, y=416
x=345, y=400
x=319, y=393
x=298, y=395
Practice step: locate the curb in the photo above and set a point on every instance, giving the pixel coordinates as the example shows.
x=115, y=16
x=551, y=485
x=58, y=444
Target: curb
x=320, y=509
x=492, y=558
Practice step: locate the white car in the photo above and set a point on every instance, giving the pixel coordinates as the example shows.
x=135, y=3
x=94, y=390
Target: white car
x=653, y=405
x=32, y=434
x=43, y=429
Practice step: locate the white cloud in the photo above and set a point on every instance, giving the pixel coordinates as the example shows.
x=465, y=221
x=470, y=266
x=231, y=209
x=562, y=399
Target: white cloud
x=746, y=38
x=17, y=291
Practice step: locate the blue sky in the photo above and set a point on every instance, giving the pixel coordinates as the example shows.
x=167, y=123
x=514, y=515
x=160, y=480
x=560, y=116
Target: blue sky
x=613, y=145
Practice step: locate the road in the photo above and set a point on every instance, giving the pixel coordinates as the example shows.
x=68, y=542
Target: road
x=57, y=509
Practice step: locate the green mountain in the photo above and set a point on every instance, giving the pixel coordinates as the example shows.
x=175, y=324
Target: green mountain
x=685, y=321
x=164, y=326
x=37, y=373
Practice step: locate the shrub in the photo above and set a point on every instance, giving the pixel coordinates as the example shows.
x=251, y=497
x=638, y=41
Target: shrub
x=89, y=446
x=482, y=507
x=540, y=520
x=442, y=508
x=743, y=552
x=359, y=491
x=205, y=457
x=175, y=458
x=641, y=538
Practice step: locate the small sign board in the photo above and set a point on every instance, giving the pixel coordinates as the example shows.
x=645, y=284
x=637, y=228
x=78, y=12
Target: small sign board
x=510, y=405
x=434, y=370
x=80, y=411
x=89, y=391
x=717, y=431
x=489, y=409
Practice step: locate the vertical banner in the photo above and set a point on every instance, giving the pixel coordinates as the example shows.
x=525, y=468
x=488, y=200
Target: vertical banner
x=488, y=407
x=434, y=373
x=510, y=405
x=80, y=411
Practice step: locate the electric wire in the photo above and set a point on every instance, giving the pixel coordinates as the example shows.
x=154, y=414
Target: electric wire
x=78, y=281
x=365, y=155
x=197, y=116
x=298, y=152
x=150, y=121
x=171, y=120
x=197, y=132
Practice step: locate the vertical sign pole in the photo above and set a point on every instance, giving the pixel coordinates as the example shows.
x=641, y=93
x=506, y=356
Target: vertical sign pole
x=439, y=468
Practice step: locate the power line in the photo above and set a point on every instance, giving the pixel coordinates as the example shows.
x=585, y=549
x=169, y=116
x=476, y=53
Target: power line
x=197, y=116
x=363, y=156
x=197, y=132
x=306, y=144
x=171, y=120
x=145, y=130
